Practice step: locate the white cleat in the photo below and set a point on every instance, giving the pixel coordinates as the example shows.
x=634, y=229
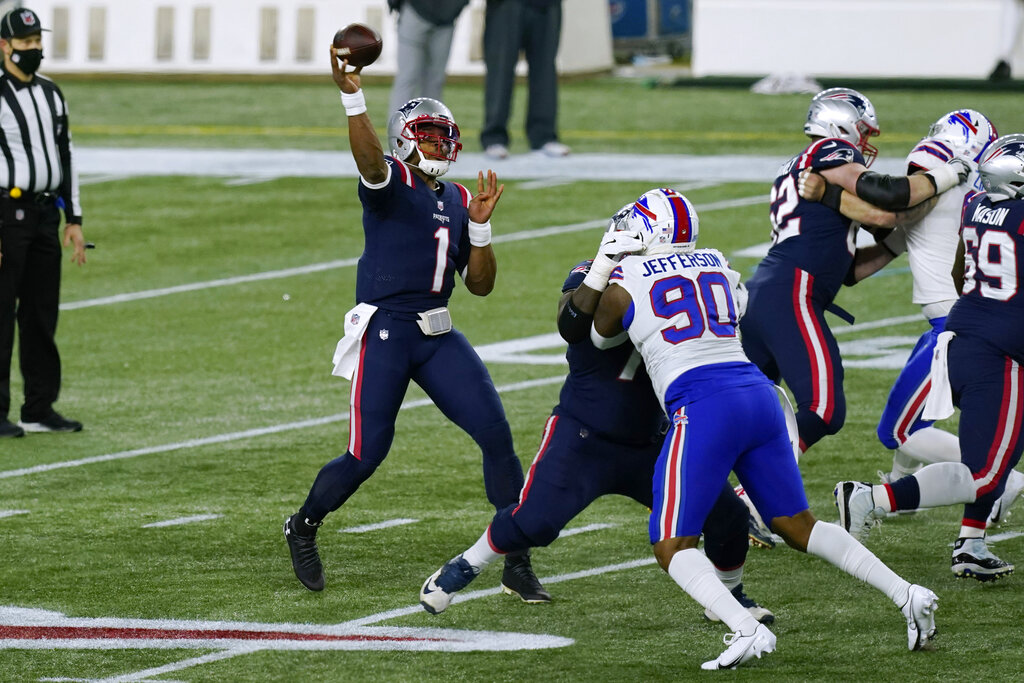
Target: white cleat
x=919, y=611
x=743, y=648
x=857, y=510
x=440, y=587
x=1001, y=510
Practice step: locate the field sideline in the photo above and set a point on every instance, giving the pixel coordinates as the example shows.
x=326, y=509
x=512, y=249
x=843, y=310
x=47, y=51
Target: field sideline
x=197, y=344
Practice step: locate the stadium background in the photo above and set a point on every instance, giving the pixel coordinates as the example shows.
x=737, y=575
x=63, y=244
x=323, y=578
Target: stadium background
x=197, y=347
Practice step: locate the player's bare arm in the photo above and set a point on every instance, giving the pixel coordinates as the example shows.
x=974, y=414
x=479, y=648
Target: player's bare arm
x=483, y=266
x=366, y=148
x=897, y=192
x=814, y=187
x=607, y=330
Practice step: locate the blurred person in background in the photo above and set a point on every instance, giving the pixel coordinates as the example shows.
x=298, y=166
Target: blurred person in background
x=37, y=180
x=1011, y=30
x=535, y=27
x=425, y=29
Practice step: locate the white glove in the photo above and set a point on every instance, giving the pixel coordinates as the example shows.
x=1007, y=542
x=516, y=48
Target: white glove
x=950, y=174
x=614, y=246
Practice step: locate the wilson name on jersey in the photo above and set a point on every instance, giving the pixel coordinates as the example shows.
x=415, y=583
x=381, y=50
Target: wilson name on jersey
x=992, y=306
x=684, y=312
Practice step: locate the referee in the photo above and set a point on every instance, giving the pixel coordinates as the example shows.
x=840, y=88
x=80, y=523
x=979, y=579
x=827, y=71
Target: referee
x=37, y=178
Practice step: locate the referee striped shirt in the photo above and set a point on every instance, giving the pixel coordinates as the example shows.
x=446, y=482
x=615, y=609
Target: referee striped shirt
x=35, y=141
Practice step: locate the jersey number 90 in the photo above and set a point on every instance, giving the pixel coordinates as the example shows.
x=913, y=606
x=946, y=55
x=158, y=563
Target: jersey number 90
x=695, y=307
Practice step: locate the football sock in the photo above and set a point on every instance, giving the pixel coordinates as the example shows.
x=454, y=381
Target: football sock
x=902, y=465
x=945, y=483
x=971, y=532
x=695, y=574
x=730, y=578
x=833, y=544
x=931, y=444
x=481, y=554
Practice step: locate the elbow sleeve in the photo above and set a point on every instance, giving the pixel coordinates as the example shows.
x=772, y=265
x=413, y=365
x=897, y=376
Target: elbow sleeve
x=574, y=324
x=884, y=191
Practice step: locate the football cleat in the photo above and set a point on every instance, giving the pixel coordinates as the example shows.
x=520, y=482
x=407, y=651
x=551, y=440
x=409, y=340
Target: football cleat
x=972, y=559
x=857, y=510
x=439, y=589
x=518, y=579
x=743, y=648
x=305, y=557
x=1014, y=487
x=762, y=614
x=919, y=611
x=757, y=531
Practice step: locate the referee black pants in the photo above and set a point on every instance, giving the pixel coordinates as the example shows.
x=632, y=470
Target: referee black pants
x=30, y=264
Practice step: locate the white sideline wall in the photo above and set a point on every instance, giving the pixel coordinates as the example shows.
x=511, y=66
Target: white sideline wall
x=916, y=38
x=271, y=36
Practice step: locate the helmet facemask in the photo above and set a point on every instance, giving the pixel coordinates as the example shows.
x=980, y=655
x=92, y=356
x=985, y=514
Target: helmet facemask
x=425, y=122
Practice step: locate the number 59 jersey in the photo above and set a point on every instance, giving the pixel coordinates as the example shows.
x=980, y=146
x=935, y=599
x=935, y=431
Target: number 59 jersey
x=684, y=312
x=992, y=306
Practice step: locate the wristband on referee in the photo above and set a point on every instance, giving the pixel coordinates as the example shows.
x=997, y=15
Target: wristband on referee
x=354, y=103
x=479, y=234
x=833, y=195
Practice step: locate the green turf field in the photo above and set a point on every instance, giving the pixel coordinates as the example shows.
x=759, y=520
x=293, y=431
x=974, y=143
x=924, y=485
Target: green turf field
x=219, y=402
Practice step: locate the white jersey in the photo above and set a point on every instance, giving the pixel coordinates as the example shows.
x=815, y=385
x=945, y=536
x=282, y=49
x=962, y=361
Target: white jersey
x=685, y=311
x=932, y=243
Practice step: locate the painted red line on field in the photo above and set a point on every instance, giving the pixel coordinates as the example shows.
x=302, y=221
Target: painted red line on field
x=80, y=632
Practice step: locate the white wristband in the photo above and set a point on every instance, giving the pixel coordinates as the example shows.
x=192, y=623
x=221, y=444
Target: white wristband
x=479, y=234
x=354, y=103
x=600, y=269
x=945, y=178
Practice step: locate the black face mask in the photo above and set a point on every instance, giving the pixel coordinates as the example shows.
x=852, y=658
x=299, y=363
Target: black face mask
x=27, y=60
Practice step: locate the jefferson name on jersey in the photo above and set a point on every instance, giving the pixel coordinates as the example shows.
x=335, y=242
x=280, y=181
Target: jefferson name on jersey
x=659, y=266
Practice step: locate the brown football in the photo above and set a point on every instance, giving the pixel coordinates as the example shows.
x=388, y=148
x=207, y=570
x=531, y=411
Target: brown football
x=359, y=44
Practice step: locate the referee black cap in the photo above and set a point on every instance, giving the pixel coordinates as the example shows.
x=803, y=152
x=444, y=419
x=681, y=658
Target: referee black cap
x=19, y=23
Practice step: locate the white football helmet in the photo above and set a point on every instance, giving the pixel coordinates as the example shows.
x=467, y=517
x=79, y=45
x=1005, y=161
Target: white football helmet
x=1002, y=168
x=967, y=132
x=846, y=114
x=425, y=119
x=665, y=220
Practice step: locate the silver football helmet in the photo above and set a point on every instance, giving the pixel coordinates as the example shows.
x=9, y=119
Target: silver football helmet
x=846, y=114
x=967, y=132
x=665, y=220
x=425, y=120
x=1002, y=168
x=618, y=223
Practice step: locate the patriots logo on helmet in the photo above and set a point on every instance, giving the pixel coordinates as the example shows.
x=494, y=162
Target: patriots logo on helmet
x=844, y=154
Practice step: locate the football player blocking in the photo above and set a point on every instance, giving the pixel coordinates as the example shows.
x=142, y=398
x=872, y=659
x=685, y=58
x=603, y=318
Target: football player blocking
x=977, y=366
x=603, y=437
x=680, y=307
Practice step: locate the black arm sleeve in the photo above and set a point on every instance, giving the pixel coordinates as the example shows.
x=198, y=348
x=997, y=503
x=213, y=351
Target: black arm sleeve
x=574, y=324
x=891, y=193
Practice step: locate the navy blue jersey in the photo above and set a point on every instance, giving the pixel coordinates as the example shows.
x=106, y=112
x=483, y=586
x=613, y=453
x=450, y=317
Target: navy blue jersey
x=609, y=391
x=992, y=305
x=808, y=235
x=415, y=240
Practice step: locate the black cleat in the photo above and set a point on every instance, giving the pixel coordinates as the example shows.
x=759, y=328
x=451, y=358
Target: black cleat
x=9, y=429
x=519, y=579
x=972, y=559
x=55, y=422
x=305, y=557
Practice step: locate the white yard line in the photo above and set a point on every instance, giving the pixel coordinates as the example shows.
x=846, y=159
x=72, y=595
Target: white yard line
x=346, y=263
x=386, y=524
x=181, y=520
x=12, y=513
x=246, y=434
x=565, y=533
x=139, y=676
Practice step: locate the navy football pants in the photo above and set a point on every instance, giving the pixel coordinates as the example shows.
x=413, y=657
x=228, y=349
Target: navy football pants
x=574, y=467
x=395, y=351
x=785, y=335
x=988, y=387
